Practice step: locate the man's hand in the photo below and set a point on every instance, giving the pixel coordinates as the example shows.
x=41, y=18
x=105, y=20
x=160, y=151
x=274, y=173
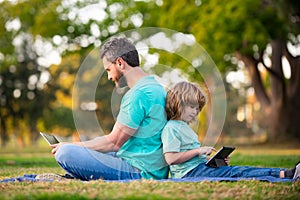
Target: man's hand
x=56, y=146
x=206, y=150
x=111, y=142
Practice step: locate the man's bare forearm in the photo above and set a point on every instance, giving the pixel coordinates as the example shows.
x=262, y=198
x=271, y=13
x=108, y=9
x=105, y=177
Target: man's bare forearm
x=101, y=144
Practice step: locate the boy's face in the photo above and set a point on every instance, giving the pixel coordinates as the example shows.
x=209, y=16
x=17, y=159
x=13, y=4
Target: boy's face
x=189, y=112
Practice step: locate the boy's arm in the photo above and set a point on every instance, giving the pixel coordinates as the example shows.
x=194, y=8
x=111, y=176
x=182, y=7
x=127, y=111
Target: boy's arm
x=173, y=158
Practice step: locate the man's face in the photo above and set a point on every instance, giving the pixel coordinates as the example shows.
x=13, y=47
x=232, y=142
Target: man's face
x=114, y=73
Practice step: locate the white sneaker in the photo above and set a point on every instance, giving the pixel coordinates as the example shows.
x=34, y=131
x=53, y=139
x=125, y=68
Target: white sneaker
x=297, y=172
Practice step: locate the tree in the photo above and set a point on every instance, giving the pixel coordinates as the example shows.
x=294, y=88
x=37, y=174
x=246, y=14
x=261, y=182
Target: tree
x=24, y=93
x=239, y=32
x=246, y=30
x=29, y=89
x=23, y=78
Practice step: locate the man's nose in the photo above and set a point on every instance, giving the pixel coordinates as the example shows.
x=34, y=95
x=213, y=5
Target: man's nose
x=109, y=77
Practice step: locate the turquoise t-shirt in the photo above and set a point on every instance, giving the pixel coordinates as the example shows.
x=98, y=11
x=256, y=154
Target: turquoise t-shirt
x=143, y=108
x=178, y=136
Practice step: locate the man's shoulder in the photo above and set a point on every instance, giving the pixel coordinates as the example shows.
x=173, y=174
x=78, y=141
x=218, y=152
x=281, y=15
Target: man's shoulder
x=149, y=85
x=149, y=81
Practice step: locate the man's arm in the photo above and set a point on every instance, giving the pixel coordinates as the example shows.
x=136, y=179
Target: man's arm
x=112, y=142
x=119, y=135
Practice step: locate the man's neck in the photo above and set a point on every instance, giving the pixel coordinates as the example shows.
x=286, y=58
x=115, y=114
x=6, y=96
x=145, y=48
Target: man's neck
x=133, y=75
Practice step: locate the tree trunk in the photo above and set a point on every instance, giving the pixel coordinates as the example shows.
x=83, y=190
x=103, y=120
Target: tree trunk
x=3, y=132
x=34, y=133
x=281, y=101
x=278, y=117
x=278, y=122
x=293, y=94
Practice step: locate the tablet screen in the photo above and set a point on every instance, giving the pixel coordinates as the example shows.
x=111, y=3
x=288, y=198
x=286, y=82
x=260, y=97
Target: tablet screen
x=218, y=159
x=51, y=139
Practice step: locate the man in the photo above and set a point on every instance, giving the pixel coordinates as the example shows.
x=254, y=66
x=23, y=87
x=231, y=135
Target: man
x=133, y=149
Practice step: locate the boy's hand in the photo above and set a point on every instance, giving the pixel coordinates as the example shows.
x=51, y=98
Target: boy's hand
x=227, y=160
x=206, y=150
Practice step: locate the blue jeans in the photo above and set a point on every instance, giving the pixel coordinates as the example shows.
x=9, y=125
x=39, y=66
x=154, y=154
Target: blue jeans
x=232, y=172
x=87, y=164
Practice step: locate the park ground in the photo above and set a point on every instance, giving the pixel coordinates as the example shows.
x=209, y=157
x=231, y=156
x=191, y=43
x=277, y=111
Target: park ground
x=16, y=162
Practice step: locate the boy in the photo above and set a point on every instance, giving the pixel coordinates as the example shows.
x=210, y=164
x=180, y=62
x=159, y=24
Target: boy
x=183, y=151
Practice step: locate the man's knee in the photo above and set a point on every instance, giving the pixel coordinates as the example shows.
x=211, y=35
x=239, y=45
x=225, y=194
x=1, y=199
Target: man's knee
x=64, y=152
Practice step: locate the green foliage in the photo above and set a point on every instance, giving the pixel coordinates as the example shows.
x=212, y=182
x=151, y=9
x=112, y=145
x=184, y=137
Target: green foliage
x=46, y=21
x=60, y=117
x=222, y=28
x=22, y=94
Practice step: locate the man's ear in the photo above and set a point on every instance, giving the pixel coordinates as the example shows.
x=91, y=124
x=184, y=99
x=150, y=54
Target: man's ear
x=120, y=63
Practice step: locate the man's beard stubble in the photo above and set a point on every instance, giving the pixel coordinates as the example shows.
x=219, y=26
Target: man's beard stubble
x=121, y=82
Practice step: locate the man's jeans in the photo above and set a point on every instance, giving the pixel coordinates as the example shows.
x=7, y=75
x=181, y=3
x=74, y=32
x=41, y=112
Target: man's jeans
x=86, y=164
x=232, y=171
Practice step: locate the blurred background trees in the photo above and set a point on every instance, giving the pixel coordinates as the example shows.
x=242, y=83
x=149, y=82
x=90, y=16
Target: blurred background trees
x=261, y=37
x=255, y=44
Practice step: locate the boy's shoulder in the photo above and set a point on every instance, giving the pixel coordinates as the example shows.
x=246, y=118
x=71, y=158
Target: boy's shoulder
x=175, y=123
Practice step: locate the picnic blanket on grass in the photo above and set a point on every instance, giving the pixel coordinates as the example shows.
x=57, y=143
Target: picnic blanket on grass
x=32, y=177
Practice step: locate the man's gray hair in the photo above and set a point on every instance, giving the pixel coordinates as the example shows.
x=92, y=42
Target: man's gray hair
x=120, y=47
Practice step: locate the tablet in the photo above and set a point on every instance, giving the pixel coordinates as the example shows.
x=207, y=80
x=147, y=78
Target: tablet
x=51, y=139
x=218, y=159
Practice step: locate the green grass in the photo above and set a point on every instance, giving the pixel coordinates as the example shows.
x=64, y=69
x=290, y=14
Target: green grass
x=17, y=164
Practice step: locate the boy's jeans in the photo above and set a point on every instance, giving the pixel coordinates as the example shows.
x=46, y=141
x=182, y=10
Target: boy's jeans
x=86, y=164
x=232, y=171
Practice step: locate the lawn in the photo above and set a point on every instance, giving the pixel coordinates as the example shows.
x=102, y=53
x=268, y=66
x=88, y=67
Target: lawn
x=30, y=161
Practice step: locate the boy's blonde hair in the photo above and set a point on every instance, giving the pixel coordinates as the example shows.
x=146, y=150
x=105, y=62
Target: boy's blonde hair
x=183, y=93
